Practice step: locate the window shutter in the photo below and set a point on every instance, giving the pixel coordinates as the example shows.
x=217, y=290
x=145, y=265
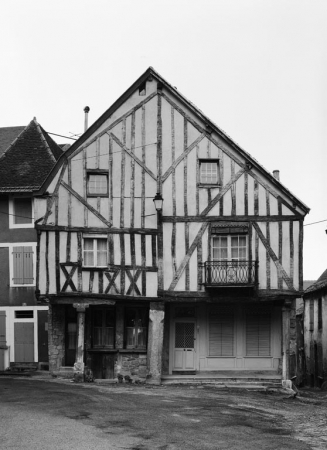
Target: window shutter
x=18, y=265
x=23, y=265
x=2, y=328
x=221, y=332
x=28, y=265
x=258, y=334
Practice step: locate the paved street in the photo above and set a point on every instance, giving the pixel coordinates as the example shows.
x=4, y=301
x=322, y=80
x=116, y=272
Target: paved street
x=53, y=414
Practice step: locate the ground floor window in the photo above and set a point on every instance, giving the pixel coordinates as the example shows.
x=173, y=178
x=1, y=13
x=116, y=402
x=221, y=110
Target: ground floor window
x=103, y=327
x=221, y=332
x=136, y=327
x=258, y=334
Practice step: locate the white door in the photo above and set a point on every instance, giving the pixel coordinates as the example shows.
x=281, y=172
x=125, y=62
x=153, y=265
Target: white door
x=184, y=346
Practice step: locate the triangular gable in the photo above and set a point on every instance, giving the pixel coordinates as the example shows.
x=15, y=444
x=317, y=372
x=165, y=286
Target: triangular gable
x=208, y=127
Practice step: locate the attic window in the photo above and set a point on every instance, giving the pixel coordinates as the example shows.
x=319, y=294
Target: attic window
x=209, y=172
x=21, y=212
x=142, y=89
x=97, y=184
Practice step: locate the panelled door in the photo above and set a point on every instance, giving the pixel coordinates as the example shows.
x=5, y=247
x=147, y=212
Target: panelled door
x=184, y=346
x=24, y=342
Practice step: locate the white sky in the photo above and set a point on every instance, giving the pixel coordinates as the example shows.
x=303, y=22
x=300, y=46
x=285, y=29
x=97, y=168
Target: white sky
x=257, y=68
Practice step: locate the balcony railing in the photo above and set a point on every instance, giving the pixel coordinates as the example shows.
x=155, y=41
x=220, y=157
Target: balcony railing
x=231, y=273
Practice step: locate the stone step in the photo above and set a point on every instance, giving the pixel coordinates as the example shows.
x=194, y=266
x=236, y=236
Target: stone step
x=23, y=367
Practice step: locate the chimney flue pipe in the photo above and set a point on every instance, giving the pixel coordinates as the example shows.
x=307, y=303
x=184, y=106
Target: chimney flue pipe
x=86, y=110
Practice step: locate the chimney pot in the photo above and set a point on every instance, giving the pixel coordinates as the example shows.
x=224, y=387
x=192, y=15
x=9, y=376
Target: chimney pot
x=276, y=174
x=86, y=110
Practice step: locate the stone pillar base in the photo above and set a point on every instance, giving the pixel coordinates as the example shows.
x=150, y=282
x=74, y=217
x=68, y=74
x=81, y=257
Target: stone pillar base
x=79, y=372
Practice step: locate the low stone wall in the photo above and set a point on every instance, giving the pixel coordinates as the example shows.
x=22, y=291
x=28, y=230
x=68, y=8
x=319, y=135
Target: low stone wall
x=131, y=364
x=56, y=337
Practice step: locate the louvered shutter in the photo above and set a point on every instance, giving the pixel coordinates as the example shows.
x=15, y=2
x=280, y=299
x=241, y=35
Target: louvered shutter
x=28, y=265
x=23, y=265
x=18, y=265
x=258, y=334
x=221, y=332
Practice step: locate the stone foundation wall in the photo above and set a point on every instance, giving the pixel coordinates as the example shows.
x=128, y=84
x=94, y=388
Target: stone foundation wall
x=56, y=337
x=132, y=364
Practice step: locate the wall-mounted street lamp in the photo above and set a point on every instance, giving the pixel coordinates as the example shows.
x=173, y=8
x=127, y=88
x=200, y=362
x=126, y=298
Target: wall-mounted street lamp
x=158, y=201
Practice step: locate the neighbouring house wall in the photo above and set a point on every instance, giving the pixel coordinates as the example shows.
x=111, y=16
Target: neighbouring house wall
x=315, y=340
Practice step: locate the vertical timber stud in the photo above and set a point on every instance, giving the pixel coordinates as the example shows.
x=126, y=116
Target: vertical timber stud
x=155, y=342
x=37, y=281
x=159, y=189
x=233, y=188
x=122, y=179
x=301, y=256
x=47, y=262
x=57, y=256
x=132, y=188
x=79, y=260
x=69, y=212
x=286, y=339
x=173, y=235
x=79, y=363
x=143, y=171
x=280, y=244
x=85, y=187
x=187, y=268
x=268, y=267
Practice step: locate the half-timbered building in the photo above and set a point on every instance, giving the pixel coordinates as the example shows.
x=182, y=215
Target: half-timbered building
x=202, y=283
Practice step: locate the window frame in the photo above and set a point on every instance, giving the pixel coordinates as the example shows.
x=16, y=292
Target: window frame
x=12, y=224
x=138, y=315
x=11, y=263
x=229, y=246
x=104, y=310
x=209, y=160
x=96, y=172
x=95, y=251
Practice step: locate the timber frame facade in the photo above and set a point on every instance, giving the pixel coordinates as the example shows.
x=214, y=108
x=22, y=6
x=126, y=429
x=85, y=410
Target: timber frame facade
x=204, y=285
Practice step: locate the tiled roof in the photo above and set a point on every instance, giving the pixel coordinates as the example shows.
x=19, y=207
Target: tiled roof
x=7, y=136
x=319, y=284
x=28, y=159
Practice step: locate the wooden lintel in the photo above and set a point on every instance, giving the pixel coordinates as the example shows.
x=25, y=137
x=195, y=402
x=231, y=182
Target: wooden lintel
x=73, y=297
x=98, y=230
x=175, y=219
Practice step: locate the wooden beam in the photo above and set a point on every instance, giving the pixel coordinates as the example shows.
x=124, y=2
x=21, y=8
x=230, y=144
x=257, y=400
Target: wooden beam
x=182, y=156
x=273, y=256
x=51, y=200
x=99, y=230
x=188, y=256
x=238, y=218
x=132, y=155
x=86, y=204
x=223, y=191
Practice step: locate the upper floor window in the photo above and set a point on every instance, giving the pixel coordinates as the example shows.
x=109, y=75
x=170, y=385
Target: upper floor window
x=97, y=184
x=22, y=266
x=21, y=212
x=229, y=248
x=95, y=253
x=209, y=171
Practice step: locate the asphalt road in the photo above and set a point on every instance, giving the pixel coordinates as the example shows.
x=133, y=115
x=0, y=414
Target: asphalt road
x=36, y=414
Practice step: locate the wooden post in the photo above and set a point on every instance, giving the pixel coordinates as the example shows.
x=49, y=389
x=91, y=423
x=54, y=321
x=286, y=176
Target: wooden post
x=286, y=310
x=155, y=342
x=79, y=362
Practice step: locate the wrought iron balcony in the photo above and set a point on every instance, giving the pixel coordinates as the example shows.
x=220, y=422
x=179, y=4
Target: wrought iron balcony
x=231, y=273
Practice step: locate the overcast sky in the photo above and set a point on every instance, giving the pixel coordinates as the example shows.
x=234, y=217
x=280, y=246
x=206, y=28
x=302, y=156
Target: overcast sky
x=257, y=68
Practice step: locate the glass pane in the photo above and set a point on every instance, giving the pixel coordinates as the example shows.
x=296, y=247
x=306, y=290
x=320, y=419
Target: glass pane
x=130, y=317
x=22, y=210
x=88, y=244
x=130, y=337
x=97, y=318
x=234, y=253
x=101, y=252
x=242, y=241
x=88, y=258
x=108, y=338
x=223, y=242
x=234, y=241
x=223, y=253
x=209, y=173
x=98, y=184
x=141, y=337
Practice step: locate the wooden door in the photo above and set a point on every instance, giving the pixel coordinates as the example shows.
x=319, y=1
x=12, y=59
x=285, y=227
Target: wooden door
x=102, y=365
x=42, y=336
x=184, y=348
x=3, y=342
x=24, y=342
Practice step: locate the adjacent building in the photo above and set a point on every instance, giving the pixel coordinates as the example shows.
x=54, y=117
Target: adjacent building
x=165, y=249
x=315, y=332
x=27, y=155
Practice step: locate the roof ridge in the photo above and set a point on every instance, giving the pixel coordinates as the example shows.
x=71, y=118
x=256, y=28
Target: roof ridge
x=14, y=141
x=45, y=142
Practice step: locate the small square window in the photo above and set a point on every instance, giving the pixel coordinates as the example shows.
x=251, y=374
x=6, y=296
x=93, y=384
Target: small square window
x=21, y=212
x=97, y=184
x=95, y=252
x=209, y=172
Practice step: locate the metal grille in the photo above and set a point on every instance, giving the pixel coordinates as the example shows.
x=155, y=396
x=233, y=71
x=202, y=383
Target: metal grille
x=184, y=335
x=230, y=272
